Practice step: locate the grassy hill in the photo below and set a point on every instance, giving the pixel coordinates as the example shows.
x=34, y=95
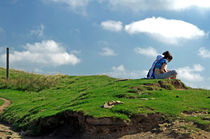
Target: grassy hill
x=37, y=98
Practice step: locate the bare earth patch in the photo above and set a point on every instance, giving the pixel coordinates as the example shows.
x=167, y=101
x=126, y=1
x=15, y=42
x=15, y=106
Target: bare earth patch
x=176, y=129
x=5, y=105
x=195, y=113
x=5, y=131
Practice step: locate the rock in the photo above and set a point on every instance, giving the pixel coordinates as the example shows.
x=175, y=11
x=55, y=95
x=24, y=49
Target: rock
x=151, y=136
x=106, y=106
x=117, y=102
x=111, y=104
x=144, y=98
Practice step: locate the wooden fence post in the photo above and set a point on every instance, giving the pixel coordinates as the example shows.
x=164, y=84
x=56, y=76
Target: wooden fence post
x=7, y=64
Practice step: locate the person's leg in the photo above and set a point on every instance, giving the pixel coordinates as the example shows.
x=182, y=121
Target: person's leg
x=173, y=77
x=167, y=75
x=174, y=73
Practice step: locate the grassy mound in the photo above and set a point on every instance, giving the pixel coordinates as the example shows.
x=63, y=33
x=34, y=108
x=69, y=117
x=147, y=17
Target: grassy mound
x=35, y=97
x=1, y=102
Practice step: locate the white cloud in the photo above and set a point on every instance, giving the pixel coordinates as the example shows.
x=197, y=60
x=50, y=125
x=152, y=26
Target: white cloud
x=121, y=72
x=111, y=25
x=191, y=74
x=47, y=53
x=165, y=30
x=203, y=85
x=203, y=52
x=151, y=52
x=39, y=31
x=119, y=68
x=107, y=52
x=78, y=6
x=170, y=5
x=185, y=4
x=197, y=68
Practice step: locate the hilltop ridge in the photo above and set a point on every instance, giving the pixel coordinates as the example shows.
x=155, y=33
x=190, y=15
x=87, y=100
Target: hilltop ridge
x=46, y=104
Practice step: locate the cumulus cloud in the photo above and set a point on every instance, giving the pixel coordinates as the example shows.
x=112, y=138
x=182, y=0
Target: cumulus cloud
x=121, y=72
x=170, y=5
x=150, y=52
x=47, y=53
x=203, y=52
x=191, y=74
x=111, y=25
x=107, y=52
x=165, y=30
x=78, y=6
x=39, y=31
x=119, y=68
x=182, y=5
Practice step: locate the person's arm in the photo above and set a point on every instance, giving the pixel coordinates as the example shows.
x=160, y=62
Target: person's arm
x=162, y=70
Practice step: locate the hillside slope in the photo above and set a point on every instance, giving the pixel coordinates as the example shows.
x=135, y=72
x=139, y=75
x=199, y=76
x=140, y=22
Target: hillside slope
x=42, y=104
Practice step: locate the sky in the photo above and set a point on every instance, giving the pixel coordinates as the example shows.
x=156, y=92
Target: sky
x=119, y=38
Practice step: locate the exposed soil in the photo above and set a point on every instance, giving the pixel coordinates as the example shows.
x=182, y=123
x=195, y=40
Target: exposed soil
x=5, y=130
x=76, y=125
x=176, y=129
x=168, y=85
x=176, y=83
x=148, y=126
x=5, y=105
x=195, y=113
x=140, y=127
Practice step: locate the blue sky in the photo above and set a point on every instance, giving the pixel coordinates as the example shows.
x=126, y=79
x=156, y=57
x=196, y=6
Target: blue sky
x=120, y=38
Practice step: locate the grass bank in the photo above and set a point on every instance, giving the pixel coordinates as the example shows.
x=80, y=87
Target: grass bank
x=35, y=97
x=1, y=102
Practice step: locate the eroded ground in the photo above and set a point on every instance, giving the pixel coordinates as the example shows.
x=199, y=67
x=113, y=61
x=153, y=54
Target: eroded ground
x=5, y=131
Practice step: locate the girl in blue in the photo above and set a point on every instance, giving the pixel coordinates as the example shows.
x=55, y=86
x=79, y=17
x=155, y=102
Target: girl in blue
x=160, y=68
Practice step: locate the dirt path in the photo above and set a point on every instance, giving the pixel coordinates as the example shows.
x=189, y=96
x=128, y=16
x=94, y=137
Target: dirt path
x=5, y=131
x=5, y=105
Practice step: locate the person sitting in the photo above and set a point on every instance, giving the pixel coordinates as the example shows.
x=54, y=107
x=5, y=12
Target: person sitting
x=160, y=71
x=150, y=74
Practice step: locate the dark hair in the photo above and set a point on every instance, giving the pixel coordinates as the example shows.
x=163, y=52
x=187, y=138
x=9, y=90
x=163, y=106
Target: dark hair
x=168, y=55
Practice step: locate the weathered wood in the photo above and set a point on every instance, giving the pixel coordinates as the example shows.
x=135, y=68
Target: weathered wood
x=7, y=64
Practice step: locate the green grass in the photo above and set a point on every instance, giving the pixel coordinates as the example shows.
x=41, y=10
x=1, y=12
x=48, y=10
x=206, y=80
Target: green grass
x=1, y=102
x=36, y=96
